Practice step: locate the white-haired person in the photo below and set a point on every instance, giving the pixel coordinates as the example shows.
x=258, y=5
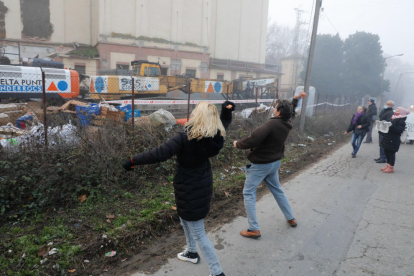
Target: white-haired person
x=391, y=141
x=385, y=115
x=202, y=138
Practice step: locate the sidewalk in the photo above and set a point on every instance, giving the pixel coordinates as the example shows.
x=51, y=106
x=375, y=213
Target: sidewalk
x=352, y=220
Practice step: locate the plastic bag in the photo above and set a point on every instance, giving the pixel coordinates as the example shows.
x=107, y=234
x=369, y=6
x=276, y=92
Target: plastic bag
x=162, y=118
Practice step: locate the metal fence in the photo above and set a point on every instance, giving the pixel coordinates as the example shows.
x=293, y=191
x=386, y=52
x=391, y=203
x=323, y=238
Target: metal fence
x=32, y=98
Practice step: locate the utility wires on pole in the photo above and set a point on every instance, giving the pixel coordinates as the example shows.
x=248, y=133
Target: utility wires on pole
x=309, y=66
x=295, y=48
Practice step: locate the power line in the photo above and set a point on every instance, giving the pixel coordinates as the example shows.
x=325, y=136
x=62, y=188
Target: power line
x=331, y=22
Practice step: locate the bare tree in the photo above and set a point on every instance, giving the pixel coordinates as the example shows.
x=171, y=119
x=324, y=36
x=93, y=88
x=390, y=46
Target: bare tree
x=280, y=42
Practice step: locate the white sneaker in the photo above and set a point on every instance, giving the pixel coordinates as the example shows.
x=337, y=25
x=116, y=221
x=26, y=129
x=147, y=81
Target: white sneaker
x=187, y=256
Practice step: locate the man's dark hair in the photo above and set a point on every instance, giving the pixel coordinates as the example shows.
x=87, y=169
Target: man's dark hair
x=286, y=109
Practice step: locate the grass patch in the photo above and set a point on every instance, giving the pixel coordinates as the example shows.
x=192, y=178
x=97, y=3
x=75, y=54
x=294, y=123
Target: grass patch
x=40, y=195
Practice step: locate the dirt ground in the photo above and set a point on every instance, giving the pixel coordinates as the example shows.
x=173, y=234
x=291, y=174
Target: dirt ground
x=156, y=250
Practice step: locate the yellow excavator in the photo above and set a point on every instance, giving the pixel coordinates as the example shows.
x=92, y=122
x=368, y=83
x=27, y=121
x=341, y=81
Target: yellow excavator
x=149, y=81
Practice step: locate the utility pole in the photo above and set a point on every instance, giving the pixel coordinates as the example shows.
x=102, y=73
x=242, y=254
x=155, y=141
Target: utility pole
x=309, y=66
x=295, y=50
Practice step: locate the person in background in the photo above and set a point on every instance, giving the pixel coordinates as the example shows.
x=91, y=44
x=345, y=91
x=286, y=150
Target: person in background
x=385, y=115
x=267, y=147
x=372, y=114
x=202, y=138
x=360, y=124
x=391, y=141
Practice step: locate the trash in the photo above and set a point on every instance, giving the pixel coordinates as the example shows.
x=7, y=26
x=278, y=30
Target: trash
x=106, y=269
x=43, y=261
x=301, y=145
x=86, y=261
x=82, y=198
x=5, y=119
x=57, y=135
x=127, y=108
x=246, y=113
x=124, y=260
x=329, y=144
x=110, y=254
x=110, y=107
x=287, y=171
x=24, y=255
x=27, y=120
x=260, y=109
x=227, y=194
x=104, y=236
x=53, y=251
x=311, y=139
x=162, y=118
x=121, y=227
x=71, y=270
x=143, y=121
x=50, y=244
x=174, y=208
x=43, y=251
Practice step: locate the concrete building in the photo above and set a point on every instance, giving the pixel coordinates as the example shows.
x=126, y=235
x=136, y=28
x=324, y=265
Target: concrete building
x=291, y=67
x=223, y=39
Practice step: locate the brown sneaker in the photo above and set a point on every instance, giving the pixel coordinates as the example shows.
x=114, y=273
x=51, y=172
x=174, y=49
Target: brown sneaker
x=293, y=222
x=251, y=234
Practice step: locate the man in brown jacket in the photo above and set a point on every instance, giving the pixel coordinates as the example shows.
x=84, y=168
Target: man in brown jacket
x=267, y=146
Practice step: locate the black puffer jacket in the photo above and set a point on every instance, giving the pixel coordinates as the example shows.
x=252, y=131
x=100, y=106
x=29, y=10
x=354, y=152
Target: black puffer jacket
x=392, y=140
x=193, y=180
x=363, y=121
x=385, y=115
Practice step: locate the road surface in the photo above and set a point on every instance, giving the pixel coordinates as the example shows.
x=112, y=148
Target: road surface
x=352, y=220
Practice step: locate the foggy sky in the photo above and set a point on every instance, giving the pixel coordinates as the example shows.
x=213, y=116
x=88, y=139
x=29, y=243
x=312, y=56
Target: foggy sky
x=392, y=20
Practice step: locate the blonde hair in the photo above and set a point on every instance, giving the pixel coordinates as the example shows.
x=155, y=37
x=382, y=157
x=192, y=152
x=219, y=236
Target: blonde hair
x=204, y=122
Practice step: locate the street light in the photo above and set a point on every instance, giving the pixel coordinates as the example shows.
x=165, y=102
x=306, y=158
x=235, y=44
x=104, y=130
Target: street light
x=383, y=72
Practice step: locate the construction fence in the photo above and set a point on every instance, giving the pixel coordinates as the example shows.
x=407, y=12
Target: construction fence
x=34, y=97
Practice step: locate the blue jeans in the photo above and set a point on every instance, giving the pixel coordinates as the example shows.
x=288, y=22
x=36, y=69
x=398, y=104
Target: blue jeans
x=382, y=151
x=255, y=174
x=196, y=233
x=356, y=142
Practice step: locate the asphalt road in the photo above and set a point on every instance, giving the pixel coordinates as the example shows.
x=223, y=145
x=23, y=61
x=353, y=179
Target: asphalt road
x=352, y=220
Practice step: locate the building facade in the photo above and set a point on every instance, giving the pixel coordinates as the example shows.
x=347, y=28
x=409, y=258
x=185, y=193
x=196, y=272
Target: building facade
x=219, y=39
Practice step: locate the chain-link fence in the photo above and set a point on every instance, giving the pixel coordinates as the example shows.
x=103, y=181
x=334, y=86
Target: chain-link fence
x=34, y=97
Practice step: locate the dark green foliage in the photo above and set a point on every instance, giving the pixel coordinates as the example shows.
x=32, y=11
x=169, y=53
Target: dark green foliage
x=351, y=68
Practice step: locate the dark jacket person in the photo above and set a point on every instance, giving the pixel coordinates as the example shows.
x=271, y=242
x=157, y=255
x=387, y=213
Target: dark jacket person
x=385, y=115
x=372, y=114
x=202, y=138
x=391, y=141
x=266, y=146
x=360, y=124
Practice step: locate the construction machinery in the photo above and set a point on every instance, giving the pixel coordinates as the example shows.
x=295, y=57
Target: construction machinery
x=149, y=81
x=21, y=82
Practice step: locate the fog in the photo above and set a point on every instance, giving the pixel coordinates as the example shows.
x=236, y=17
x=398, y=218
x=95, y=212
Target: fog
x=392, y=20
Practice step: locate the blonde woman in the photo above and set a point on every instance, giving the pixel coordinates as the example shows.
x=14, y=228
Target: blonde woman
x=202, y=138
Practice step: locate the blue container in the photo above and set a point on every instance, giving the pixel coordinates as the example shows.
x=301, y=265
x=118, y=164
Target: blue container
x=85, y=113
x=128, y=114
x=128, y=111
x=21, y=122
